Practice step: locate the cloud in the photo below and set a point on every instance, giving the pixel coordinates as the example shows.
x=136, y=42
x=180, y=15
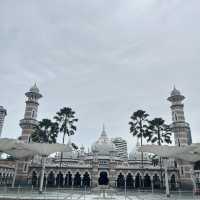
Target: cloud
x=106, y=59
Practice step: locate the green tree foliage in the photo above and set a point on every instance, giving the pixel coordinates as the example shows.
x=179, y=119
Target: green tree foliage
x=139, y=126
x=66, y=120
x=45, y=132
x=159, y=132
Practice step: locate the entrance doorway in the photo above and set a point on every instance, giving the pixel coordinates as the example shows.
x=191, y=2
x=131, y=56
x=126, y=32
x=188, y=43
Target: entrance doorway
x=103, y=179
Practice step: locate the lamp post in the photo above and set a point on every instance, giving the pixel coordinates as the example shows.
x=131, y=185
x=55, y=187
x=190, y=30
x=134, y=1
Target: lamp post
x=125, y=190
x=42, y=173
x=166, y=177
x=15, y=174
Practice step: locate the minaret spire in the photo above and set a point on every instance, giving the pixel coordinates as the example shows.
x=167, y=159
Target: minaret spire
x=103, y=133
x=180, y=127
x=30, y=116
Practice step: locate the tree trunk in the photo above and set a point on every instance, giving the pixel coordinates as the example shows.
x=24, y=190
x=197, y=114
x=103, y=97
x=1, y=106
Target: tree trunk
x=141, y=142
x=159, y=143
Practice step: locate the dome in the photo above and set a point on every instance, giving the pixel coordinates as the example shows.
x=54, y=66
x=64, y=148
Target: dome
x=68, y=152
x=103, y=146
x=34, y=89
x=136, y=155
x=175, y=92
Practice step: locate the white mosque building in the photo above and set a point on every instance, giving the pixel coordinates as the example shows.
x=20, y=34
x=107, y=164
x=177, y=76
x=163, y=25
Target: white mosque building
x=106, y=164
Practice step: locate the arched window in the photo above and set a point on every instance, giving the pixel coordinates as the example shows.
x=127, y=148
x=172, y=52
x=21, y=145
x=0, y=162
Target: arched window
x=33, y=115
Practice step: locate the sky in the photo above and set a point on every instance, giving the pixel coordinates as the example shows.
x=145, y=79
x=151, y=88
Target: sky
x=105, y=59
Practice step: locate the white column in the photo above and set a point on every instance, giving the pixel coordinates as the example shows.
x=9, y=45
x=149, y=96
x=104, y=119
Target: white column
x=152, y=186
x=166, y=177
x=42, y=174
x=193, y=181
x=15, y=174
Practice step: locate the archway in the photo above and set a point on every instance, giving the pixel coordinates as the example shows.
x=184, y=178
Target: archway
x=34, y=179
x=77, y=180
x=68, y=180
x=10, y=179
x=120, y=181
x=156, y=181
x=45, y=180
x=51, y=180
x=197, y=165
x=138, y=181
x=0, y=178
x=59, y=180
x=86, y=180
x=173, y=182
x=147, y=181
x=129, y=181
x=103, y=179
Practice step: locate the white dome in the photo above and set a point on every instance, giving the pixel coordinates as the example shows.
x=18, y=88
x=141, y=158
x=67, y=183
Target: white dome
x=103, y=146
x=136, y=155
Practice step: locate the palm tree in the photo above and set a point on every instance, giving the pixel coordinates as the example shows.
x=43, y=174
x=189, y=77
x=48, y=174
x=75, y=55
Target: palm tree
x=66, y=119
x=139, y=126
x=45, y=132
x=159, y=132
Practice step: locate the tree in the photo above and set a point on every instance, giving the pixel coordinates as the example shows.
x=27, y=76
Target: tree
x=159, y=132
x=139, y=126
x=66, y=119
x=45, y=132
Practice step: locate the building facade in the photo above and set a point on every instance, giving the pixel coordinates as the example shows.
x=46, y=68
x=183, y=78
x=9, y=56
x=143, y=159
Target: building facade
x=102, y=166
x=3, y=113
x=121, y=147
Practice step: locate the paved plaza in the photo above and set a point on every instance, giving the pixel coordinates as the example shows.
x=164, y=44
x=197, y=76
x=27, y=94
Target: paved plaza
x=58, y=194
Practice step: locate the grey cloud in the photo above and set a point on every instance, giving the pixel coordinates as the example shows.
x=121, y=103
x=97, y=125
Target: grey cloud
x=106, y=59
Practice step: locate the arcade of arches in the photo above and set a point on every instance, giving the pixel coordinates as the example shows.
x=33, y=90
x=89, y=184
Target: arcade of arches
x=84, y=180
x=6, y=178
x=63, y=180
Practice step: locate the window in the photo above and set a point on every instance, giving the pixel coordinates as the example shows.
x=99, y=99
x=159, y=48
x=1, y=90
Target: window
x=33, y=114
x=25, y=167
x=182, y=171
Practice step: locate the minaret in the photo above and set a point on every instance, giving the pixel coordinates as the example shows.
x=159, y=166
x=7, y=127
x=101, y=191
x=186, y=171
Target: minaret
x=3, y=113
x=30, y=117
x=182, y=134
x=180, y=127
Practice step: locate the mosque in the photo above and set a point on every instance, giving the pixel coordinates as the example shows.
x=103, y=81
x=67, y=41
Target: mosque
x=107, y=163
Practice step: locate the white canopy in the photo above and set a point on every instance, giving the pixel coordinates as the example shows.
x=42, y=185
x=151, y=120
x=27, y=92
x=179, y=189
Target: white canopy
x=18, y=149
x=44, y=149
x=8, y=143
x=188, y=153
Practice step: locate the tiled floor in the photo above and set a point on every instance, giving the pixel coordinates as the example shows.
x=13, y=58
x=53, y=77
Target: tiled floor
x=79, y=195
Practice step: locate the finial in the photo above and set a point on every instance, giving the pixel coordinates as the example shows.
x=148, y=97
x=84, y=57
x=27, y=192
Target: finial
x=103, y=130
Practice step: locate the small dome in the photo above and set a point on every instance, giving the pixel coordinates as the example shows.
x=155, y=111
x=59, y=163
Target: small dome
x=103, y=146
x=34, y=89
x=137, y=155
x=175, y=92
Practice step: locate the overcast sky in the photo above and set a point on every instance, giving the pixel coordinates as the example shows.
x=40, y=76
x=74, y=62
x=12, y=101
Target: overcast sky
x=105, y=59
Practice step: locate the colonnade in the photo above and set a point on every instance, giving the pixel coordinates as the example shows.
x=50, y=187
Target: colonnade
x=146, y=181
x=6, y=179
x=63, y=180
